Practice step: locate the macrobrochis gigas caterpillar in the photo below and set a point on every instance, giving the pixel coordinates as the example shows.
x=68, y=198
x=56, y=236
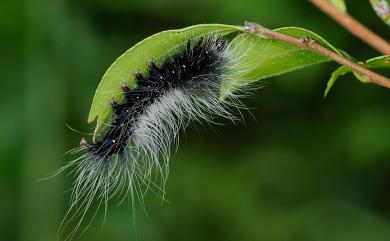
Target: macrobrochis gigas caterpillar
x=152, y=92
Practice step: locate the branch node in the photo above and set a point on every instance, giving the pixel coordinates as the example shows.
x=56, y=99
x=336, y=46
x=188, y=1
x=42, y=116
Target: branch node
x=306, y=40
x=252, y=27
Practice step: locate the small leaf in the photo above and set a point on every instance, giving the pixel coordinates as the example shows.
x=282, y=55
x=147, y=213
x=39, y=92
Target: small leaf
x=363, y=79
x=382, y=9
x=378, y=62
x=335, y=75
x=340, y=4
x=374, y=63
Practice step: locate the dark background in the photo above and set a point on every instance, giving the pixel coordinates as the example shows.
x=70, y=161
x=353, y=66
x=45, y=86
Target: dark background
x=309, y=169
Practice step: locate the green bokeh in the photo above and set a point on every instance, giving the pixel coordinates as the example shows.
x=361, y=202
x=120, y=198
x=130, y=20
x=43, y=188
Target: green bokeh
x=307, y=169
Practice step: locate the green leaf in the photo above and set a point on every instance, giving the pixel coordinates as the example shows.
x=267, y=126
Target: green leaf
x=360, y=77
x=340, y=4
x=269, y=58
x=335, y=75
x=260, y=57
x=378, y=62
x=374, y=63
x=382, y=9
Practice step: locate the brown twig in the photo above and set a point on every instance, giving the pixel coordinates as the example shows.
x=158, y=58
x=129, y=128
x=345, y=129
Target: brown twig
x=353, y=26
x=310, y=44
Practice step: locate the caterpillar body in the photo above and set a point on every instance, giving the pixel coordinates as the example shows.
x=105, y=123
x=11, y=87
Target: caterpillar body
x=134, y=151
x=195, y=73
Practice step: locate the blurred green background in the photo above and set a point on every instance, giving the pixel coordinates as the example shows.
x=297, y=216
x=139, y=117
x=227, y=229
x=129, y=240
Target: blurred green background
x=309, y=168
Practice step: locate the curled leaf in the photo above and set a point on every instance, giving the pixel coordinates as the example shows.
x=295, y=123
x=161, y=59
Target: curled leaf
x=335, y=75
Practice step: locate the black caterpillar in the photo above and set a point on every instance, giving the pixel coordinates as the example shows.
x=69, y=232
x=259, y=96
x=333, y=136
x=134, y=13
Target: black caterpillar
x=136, y=144
x=184, y=71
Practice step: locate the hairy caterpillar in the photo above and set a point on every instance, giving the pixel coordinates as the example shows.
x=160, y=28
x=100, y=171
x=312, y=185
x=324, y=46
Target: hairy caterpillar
x=195, y=79
x=135, y=148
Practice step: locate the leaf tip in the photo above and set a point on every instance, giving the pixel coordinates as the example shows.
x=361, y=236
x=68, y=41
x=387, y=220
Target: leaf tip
x=327, y=90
